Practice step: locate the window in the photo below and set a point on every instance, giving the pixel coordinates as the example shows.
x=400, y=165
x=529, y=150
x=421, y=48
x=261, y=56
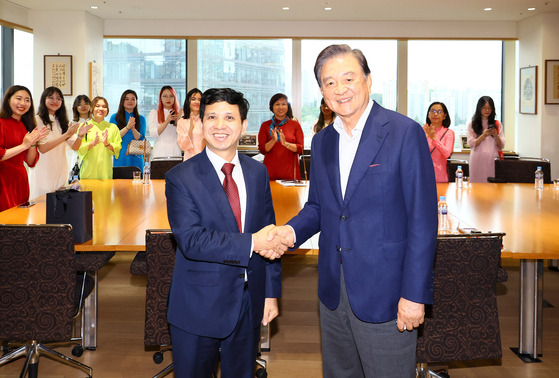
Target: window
x=382, y=59
x=19, y=45
x=144, y=65
x=257, y=68
x=456, y=73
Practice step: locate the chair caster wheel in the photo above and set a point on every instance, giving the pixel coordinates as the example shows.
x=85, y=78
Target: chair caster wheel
x=77, y=351
x=158, y=357
x=261, y=373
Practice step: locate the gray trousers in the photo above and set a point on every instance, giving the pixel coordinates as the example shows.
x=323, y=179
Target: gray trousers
x=352, y=348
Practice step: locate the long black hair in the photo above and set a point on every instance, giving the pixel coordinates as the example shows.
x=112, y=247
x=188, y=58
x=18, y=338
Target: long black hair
x=476, y=119
x=121, y=112
x=319, y=125
x=186, y=106
x=60, y=114
x=28, y=119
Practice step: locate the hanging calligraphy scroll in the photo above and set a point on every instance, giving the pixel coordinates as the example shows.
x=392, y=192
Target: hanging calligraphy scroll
x=58, y=73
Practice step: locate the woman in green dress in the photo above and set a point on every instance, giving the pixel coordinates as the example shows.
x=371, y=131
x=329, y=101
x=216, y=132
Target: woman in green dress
x=100, y=144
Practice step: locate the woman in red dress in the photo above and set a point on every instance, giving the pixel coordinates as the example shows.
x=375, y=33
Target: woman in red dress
x=281, y=140
x=18, y=144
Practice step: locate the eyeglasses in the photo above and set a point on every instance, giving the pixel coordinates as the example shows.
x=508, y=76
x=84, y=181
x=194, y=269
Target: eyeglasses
x=52, y=98
x=166, y=97
x=433, y=111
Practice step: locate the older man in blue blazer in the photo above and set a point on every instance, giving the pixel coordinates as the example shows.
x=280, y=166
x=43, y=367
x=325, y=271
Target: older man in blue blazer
x=373, y=197
x=223, y=285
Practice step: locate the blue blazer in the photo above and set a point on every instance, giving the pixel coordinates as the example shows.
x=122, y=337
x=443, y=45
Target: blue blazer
x=212, y=256
x=385, y=228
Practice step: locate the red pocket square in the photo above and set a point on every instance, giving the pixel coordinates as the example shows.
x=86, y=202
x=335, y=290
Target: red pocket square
x=374, y=165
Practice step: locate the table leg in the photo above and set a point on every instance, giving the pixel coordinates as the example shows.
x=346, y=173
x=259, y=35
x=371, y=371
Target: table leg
x=531, y=314
x=90, y=317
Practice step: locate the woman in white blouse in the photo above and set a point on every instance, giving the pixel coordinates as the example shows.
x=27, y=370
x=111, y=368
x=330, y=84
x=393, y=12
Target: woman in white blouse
x=163, y=124
x=52, y=170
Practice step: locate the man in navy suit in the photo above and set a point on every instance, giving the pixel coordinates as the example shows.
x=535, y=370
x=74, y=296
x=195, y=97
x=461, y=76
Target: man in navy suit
x=373, y=197
x=223, y=284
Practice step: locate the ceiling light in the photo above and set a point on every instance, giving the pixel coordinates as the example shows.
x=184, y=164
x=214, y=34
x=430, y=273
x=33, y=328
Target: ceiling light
x=94, y=7
x=285, y=8
x=487, y=9
x=531, y=9
x=328, y=9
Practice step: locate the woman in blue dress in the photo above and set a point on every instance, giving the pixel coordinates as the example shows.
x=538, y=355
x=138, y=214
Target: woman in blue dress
x=132, y=125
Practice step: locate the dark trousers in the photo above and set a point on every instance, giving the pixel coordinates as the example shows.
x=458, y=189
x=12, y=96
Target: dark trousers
x=353, y=348
x=196, y=356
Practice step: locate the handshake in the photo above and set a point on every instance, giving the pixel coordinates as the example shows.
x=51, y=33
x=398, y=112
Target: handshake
x=272, y=241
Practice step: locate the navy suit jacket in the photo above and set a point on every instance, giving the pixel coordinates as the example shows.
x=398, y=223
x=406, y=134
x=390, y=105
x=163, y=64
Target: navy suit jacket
x=212, y=255
x=385, y=227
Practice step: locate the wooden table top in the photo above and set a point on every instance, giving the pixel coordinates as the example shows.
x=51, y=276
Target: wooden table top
x=529, y=217
x=124, y=210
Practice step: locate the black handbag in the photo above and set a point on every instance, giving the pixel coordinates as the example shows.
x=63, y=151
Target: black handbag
x=72, y=207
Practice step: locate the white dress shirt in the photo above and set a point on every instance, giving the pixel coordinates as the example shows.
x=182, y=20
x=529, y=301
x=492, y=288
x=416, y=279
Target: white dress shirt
x=348, y=144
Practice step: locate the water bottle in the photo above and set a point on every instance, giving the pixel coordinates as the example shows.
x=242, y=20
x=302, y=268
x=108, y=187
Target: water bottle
x=75, y=184
x=147, y=174
x=443, y=214
x=539, y=179
x=459, y=177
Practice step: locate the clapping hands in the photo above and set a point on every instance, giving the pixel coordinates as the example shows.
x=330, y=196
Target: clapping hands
x=272, y=241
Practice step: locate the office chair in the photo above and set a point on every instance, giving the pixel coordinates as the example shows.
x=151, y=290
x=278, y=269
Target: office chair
x=125, y=172
x=38, y=286
x=463, y=322
x=452, y=165
x=160, y=166
x=160, y=257
x=520, y=169
x=305, y=166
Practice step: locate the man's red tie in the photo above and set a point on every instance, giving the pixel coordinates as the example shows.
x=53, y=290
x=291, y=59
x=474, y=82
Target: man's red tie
x=232, y=192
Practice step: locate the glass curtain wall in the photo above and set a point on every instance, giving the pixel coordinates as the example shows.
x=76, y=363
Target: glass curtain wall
x=257, y=68
x=144, y=65
x=456, y=73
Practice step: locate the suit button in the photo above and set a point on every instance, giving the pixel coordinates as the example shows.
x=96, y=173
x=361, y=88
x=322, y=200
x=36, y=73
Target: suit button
x=343, y=218
x=242, y=275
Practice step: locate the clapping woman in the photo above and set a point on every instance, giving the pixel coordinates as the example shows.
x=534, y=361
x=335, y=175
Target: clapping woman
x=51, y=171
x=326, y=117
x=189, y=128
x=439, y=137
x=280, y=140
x=132, y=126
x=163, y=124
x=18, y=144
x=100, y=143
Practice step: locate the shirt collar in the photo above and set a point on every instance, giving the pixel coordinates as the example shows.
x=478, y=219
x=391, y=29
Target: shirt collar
x=339, y=124
x=217, y=161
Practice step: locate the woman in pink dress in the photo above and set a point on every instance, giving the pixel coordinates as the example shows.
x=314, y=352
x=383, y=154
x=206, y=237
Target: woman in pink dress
x=486, y=139
x=18, y=144
x=439, y=137
x=190, y=137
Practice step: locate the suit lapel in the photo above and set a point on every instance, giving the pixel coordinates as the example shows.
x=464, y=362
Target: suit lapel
x=331, y=158
x=374, y=134
x=212, y=183
x=250, y=180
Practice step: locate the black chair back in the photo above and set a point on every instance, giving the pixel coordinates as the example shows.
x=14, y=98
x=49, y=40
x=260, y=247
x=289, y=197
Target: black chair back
x=521, y=169
x=160, y=166
x=452, y=166
x=125, y=172
x=160, y=255
x=38, y=284
x=463, y=322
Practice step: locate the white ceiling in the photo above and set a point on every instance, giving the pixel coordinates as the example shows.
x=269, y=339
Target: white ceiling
x=303, y=10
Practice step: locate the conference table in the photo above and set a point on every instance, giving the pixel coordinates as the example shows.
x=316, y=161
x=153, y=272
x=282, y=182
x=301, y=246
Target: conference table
x=124, y=210
x=529, y=217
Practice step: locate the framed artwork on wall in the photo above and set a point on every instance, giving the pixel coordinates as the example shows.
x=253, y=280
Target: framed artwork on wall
x=58, y=73
x=552, y=82
x=528, y=90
